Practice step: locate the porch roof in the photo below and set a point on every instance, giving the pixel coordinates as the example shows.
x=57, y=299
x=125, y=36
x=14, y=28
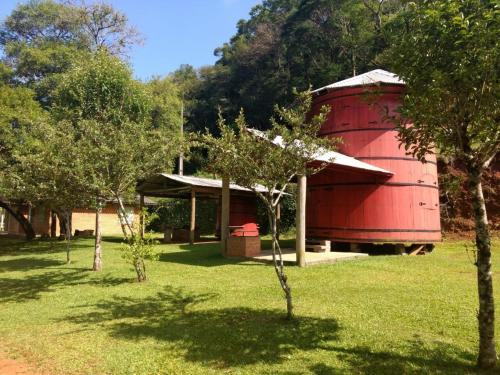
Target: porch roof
x=176, y=186
x=333, y=158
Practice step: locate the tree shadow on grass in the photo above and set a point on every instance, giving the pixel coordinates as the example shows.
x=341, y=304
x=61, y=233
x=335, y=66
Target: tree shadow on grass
x=215, y=337
x=31, y=287
x=11, y=247
x=41, y=273
x=418, y=358
x=21, y=289
x=27, y=264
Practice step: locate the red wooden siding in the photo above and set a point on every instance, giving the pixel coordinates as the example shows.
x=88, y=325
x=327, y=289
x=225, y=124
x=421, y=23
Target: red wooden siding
x=358, y=207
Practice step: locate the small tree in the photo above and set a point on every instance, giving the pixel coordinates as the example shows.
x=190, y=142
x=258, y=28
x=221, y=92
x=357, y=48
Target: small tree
x=102, y=26
x=114, y=132
x=140, y=247
x=50, y=171
x=447, y=53
x=249, y=158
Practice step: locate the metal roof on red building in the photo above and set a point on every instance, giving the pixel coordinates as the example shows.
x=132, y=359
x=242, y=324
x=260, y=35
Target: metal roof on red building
x=173, y=185
x=373, y=77
x=332, y=157
x=208, y=182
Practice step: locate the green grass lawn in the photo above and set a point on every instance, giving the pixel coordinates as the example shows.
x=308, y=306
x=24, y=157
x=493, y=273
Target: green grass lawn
x=200, y=313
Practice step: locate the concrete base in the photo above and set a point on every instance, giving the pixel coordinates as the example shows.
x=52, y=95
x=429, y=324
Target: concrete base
x=243, y=246
x=289, y=257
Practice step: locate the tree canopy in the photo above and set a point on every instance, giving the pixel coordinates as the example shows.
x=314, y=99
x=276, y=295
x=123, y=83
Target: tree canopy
x=447, y=52
x=448, y=55
x=42, y=38
x=120, y=131
x=19, y=111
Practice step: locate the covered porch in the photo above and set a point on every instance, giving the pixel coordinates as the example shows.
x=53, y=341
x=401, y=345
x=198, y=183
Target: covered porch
x=235, y=205
x=224, y=192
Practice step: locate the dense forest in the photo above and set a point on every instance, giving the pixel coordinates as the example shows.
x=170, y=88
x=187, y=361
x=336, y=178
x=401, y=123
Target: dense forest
x=286, y=44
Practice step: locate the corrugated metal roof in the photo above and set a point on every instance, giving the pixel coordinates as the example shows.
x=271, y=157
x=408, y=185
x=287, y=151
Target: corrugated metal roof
x=373, y=77
x=208, y=182
x=336, y=158
x=147, y=201
x=332, y=157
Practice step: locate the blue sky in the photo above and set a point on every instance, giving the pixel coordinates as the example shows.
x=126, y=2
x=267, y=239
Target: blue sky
x=175, y=31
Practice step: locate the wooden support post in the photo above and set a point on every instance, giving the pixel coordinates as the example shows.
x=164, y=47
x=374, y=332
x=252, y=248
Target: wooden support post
x=141, y=216
x=217, y=220
x=300, y=221
x=192, y=223
x=224, y=230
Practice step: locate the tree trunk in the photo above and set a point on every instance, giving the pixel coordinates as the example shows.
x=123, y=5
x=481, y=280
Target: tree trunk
x=142, y=218
x=140, y=269
x=68, y=215
x=487, y=356
x=62, y=225
x=25, y=224
x=65, y=224
x=122, y=224
x=278, y=221
x=353, y=57
x=124, y=216
x=98, y=249
x=278, y=264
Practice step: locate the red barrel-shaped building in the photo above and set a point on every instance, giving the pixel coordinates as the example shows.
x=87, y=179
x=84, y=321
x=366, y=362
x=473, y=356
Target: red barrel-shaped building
x=360, y=207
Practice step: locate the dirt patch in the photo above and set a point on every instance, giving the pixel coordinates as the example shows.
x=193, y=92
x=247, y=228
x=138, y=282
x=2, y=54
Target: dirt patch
x=10, y=366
